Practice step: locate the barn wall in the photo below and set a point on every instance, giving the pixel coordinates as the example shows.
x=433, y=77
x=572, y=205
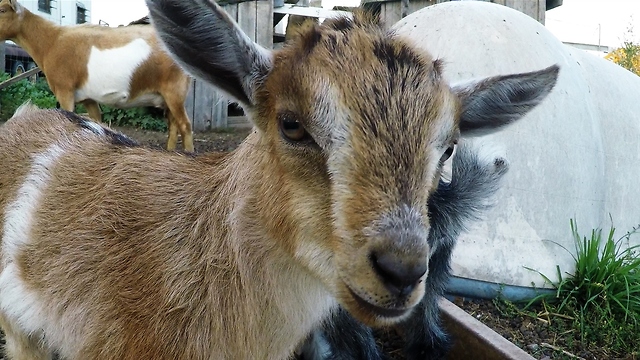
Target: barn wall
x=390, y=12
x=533, y=8
x=206, y=107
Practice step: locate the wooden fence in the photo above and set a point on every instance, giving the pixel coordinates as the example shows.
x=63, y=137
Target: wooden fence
x=206, y=107
x=391, y=11
x=19, y=77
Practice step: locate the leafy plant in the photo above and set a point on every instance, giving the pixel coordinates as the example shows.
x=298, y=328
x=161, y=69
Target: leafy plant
x=17, y=94
x=607, y=274
x=602, y=296
x=628, y=55
x=39, y=93
x=142, y=118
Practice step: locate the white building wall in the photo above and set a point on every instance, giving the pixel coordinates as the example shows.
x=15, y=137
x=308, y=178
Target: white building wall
x=63, y=12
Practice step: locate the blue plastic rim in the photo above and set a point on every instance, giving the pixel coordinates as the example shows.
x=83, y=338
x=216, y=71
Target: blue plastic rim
x=478, y=289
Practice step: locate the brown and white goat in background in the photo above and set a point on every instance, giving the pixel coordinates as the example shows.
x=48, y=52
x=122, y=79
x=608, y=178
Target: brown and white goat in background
x=89, y=64
x=115, y=251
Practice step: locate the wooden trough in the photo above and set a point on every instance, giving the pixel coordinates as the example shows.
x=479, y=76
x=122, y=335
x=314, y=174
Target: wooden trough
x=474, y=340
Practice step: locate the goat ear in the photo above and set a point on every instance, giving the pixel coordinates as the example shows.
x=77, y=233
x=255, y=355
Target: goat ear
x=207, y=43
x=489, y=104
x=15, y=5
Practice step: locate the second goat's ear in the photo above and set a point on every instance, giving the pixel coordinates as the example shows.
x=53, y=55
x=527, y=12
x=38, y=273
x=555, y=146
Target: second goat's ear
x=489, y=104
x=208, y=44
x=15, y=5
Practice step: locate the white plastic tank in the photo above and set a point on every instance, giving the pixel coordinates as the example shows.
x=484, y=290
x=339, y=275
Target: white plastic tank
x=576, y=156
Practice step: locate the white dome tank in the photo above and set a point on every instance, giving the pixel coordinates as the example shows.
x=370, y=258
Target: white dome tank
x=576, y=156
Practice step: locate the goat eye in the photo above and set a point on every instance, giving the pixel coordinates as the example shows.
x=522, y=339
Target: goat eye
x=447, y=154
x=291, y=128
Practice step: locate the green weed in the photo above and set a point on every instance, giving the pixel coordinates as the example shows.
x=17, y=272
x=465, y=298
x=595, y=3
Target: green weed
x=17, y=94
x=601, y=299
x=39, y=93
x=141, y=118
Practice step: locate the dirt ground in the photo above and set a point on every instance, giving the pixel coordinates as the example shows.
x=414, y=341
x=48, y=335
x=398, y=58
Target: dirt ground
x=529, y=333
x=203, y=142
x=537, y=335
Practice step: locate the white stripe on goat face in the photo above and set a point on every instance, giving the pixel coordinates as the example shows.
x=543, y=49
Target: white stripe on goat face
x=17, y=301
x=110, y=72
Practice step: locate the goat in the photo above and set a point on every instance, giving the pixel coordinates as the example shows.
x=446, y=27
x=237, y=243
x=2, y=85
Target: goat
x=116, y=251
x=90, y=64
x=451, y=208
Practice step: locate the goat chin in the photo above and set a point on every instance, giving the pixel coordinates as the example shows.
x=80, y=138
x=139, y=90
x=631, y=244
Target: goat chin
x=476, y=175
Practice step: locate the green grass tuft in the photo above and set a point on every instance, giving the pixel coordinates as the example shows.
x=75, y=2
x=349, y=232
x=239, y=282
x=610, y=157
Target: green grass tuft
x=602, y=297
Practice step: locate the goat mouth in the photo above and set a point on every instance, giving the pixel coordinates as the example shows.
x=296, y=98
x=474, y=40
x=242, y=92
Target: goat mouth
x=380, y=311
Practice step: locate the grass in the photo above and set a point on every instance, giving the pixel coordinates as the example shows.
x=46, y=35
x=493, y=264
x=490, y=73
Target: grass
x=39, y=93
x=16, y=94
x=598, y=306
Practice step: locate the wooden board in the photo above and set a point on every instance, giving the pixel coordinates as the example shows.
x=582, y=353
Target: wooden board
x=203, y=115
x=239, y=122
x=391, y=11
x=316, y=12
x=19, y=77
x=264, y=22
x=208, y=108
x=247, y=18
x=189, y=102
x=232, y=10
x=534, y=8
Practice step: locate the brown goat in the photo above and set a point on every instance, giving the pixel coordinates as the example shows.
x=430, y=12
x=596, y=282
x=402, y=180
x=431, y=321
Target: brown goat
x=114, y=251
x=89, y=64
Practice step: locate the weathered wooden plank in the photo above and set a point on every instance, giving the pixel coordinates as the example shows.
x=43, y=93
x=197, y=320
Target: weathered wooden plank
x=189, y=102
x=239, y=122
x=247, y=18
x=203, y=110
x=220, y=111
x=264, y=23
x=392, y=13
x=232, y=10
x=529, y=7
x=310, y=11
x=209, y=108
x=416, y=5
x=542, y=11
x=17, y=78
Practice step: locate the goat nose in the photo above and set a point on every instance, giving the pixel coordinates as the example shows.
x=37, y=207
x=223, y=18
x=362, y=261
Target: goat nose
x=398, y=277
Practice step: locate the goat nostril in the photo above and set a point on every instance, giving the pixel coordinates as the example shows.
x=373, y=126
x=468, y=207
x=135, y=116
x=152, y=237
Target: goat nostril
x=399, y=278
